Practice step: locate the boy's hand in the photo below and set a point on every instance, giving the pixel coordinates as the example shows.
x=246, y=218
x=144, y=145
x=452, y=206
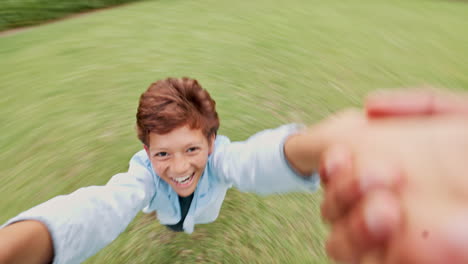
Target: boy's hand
x=26, y=242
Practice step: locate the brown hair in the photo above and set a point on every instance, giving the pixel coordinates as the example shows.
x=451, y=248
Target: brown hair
x=175, y=102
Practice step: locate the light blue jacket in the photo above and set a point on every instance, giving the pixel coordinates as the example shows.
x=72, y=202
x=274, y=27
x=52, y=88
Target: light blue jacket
x=85, y=221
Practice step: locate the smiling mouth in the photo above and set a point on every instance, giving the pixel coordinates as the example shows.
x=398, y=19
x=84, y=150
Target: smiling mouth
x=183, y=181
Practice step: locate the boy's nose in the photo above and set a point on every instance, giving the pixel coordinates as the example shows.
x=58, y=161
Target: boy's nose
x=180, y=165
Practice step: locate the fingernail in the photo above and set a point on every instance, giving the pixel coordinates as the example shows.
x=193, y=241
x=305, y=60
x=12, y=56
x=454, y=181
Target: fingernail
x=382, y=215
x=331, y=166
x=326, y=170
x=373, y=219
x=334, y=162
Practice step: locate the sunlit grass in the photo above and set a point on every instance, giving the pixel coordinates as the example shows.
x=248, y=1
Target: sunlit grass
x=70, y=91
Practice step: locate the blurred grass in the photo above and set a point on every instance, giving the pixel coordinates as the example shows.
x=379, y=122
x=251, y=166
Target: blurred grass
x=20, y=13
x=70, y=92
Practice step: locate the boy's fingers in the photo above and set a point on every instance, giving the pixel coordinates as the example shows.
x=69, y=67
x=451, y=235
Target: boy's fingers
x=373, y=257
x=376, y=174
x=346, y=196
x=335, y=169
x=366, y=228
x=338, y=245
x=335, y=163
x=381, y=215
x=346, y=185
x=352, y=185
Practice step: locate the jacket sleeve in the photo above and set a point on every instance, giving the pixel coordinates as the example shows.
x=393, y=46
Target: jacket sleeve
x=259, y=164
x=85, y=221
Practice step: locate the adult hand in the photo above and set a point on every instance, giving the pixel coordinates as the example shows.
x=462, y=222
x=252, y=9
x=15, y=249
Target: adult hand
x=345, y=193
x=430, y=153
x=415, y=102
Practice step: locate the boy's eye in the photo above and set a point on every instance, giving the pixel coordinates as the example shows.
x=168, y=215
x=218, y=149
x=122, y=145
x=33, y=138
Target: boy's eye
x=161, y=154
x=192, y=149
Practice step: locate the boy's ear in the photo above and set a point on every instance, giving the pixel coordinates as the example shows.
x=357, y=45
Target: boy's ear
x=211, y=143
x=147, y=150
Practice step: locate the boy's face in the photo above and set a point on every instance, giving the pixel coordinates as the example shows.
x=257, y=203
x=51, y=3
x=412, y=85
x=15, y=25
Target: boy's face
x=179, y=157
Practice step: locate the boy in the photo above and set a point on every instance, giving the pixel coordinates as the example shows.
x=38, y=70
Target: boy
x=183, y=173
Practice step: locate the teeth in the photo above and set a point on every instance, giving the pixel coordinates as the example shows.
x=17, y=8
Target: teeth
x=181, y=179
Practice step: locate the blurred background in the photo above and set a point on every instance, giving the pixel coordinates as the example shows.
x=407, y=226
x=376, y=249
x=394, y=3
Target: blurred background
x=71, y=80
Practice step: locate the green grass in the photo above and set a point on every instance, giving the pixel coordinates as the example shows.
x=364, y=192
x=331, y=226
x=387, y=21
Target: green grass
x=20, y=13
x=70, y=90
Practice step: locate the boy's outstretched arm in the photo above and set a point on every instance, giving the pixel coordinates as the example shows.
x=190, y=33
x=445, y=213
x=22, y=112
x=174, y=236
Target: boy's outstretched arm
x=79, y=224
x=26, y=242
x=259, y=165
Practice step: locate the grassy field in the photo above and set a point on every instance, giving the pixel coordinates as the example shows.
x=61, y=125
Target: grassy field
x=69, y=93
x=20, y=13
